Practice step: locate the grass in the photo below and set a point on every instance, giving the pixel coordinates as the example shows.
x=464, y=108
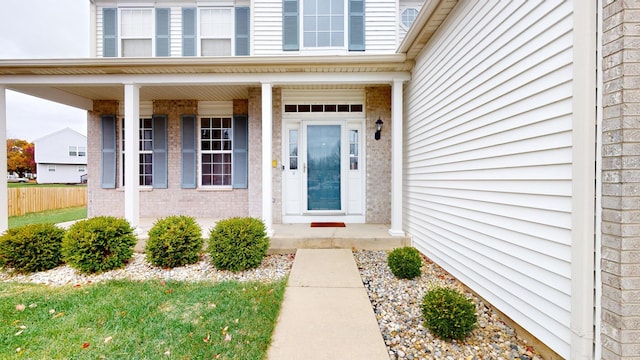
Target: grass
x=139, y=320
x=49, y=216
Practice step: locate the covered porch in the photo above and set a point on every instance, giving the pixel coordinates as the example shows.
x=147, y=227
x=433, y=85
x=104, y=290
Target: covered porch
x=124, y=87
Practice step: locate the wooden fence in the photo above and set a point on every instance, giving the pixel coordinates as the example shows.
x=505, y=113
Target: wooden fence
x=24, y=200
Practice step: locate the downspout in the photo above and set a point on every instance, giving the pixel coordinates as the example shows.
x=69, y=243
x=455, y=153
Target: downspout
x=583, y=180
x=597, y=338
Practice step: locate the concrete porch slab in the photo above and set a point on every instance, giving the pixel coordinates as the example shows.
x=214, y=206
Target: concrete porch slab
x=287, y=238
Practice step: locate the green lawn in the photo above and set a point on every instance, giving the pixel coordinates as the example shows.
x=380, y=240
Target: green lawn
x=139, y=320
x=49, y=216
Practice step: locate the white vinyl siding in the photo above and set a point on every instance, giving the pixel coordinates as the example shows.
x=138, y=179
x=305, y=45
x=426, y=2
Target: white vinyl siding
x=99, y=31
x=175, y=26
x=267, y=27
x=380, y=27
x=488, y=160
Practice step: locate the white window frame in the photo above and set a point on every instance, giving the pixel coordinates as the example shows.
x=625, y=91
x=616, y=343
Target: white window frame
x=345, y=29
x=202, y=37
x=202, y=152
x=402, y=17
x=82, y=168
x=73, y=150
x=51, y=168
x=82, y=151
x=149, y=36
x=141, y=152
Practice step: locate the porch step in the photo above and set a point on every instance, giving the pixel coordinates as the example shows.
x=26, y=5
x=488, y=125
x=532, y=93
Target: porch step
x=289, y=237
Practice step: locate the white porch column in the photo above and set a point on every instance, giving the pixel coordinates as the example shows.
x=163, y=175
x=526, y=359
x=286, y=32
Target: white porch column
x=267, y=177
x=396, y=159
x=131, y=158
x=4, y=199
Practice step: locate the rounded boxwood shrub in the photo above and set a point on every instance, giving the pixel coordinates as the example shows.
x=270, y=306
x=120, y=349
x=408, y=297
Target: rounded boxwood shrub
x=98, y=244
x=405, y=262
x=238, y=244
x=174, y=241
x=31, y=248
x=448, y=314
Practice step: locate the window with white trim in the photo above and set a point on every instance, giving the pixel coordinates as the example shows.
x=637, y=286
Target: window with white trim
x=145, y=152
x=408, y=16
x=51, y=168
x=323, y=23
x=216, y=151
x=75, y=150
x=136, y=32
x=82, y=168
x=216, y=31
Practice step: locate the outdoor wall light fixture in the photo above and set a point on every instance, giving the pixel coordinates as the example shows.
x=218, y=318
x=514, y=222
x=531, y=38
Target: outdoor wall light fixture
x=378, y=128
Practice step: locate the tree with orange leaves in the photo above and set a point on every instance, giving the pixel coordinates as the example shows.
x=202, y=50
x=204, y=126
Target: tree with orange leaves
x=20, y=157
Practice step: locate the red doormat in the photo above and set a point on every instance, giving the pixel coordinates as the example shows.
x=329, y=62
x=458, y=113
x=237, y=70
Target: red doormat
x=328, y=224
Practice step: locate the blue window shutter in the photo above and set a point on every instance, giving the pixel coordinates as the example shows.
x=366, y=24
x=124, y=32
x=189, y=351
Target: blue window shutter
x=108, y=175
x=109, y=32
x=160, y=152
x=242, y=31
x=240, y=152
x=356, y=25
x=189, y=151
x=189, y=32
x=290, y=32
x=163, y=32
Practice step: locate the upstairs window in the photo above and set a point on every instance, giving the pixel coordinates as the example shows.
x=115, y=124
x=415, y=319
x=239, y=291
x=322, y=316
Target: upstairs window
x=408, y=16
x=216, y=32
x=136, y=32
x=77, y=150
x=323, y=24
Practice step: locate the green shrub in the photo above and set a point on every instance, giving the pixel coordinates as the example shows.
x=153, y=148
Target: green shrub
x=405, y=262
x=238, y=244
x=98, y=244
x=174, y=241
x=31, y=248
x=448, y=314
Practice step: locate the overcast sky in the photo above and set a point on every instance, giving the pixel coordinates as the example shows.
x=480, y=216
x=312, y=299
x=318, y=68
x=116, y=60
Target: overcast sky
x=42, y=29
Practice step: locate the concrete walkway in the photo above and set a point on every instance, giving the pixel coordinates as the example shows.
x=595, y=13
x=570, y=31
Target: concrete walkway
x=326, y=313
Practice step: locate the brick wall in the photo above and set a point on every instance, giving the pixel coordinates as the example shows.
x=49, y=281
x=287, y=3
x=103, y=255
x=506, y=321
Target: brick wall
x=160, y=202
x=621, y=180
x=100, y=201
x=378, y=182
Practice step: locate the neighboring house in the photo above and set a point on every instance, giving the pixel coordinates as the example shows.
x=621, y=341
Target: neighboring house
x=508, y=149
x=61, y=157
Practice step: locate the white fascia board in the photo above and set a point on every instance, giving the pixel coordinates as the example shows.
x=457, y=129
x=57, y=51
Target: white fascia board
x=205, y=79
x=56, y=95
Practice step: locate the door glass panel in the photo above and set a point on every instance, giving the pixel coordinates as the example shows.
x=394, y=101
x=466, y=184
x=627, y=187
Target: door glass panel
x=293, y=149
x=353, y=149
x=323, y=172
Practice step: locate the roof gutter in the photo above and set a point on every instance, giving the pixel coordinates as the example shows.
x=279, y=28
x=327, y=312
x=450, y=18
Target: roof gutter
x=431, y=17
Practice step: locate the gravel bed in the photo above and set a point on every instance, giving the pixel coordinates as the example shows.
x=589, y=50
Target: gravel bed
x=397, y=306
x=273, y=267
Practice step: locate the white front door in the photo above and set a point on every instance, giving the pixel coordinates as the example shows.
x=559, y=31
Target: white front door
x=322, y=171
